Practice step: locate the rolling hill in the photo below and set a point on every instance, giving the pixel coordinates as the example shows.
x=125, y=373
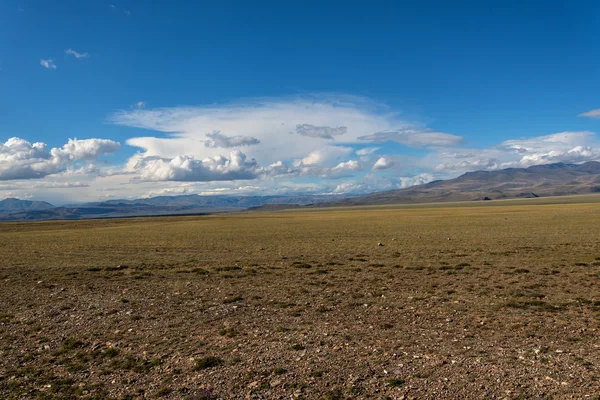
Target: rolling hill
x=536, y=181
x=162, y=205
x=12, y=205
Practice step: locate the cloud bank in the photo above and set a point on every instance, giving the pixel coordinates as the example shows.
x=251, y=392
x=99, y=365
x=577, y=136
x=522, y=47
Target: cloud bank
x=305, y=144
x=20, y=159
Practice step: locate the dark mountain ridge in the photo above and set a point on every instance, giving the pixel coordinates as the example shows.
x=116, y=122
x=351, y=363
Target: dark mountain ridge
x=536, y=181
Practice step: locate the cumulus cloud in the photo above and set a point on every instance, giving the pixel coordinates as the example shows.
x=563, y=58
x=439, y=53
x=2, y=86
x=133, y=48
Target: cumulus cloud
x=86, y=150
x=414, y=137
x=186, y=168
x=20, y=159
x=49, y=64
x=217, y=139
x=383, y=163
x=373, y=183
x=591, y=114
x=263, y=127
x=565, y=147
x=323, y=132
x=71, y=52
x=351, y=165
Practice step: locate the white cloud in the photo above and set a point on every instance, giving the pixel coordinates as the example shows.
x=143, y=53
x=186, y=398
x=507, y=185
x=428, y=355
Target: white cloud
x=237, y=167
x=324, y=156
x=383, y=163
x=414, y=137
x=20, y=159
x=217, y=139
x=591, y=114
x=373, y=183
x=250, y=150
x=350, y=120
x=351, y=165
x=367, y=151
x=87, y=150
x=71, y=52
x=49, y=64
x=60, y=185
x=323, y=132
x=185, y=168
x=566, y=147
x=139, y=104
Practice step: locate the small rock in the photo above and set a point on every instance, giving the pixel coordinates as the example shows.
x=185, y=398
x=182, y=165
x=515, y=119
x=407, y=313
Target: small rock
x=379, y=244
x=275, y=382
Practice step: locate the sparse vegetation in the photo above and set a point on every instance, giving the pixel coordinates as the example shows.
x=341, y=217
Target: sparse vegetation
x=233, y=300
x=395, y=382
x=208, y=362
x=306, y=317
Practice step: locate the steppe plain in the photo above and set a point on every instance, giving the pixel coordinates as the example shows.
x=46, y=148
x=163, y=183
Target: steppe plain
x=466, y=301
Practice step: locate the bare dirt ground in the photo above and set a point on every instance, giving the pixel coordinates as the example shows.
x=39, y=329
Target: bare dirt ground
x=481, y=302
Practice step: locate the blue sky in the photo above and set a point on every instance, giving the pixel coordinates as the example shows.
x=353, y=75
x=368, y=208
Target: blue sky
x=289, y=91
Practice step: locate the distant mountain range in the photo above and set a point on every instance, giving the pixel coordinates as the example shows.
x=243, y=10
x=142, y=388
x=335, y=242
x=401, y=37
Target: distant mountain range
x=537, y=181
x=16, y=205
x=24, y=210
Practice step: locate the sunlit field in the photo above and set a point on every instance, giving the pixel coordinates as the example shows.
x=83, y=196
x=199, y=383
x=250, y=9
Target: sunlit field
x=429, y=302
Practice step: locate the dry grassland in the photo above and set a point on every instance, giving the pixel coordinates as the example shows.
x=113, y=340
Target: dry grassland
x=459, y=302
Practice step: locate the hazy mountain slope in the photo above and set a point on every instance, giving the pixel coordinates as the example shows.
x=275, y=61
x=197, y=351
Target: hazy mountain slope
x=163, y=205
x=15, y=205
x=540, y=180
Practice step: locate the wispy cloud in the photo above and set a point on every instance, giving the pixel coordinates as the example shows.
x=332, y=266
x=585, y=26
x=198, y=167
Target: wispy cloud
x=139, y=104
x=591, y=114
x=49, y=64
x=116, y=8
x=414, y=137
x=71, y=52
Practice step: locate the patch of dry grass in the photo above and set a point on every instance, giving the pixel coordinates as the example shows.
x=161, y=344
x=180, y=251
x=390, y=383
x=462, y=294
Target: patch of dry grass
x=305, y=304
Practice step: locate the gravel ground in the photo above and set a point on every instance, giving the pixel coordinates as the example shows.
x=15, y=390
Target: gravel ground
x=469, y=303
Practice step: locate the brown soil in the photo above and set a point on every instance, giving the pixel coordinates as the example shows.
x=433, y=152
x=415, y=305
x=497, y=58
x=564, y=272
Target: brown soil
x=481, y=302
